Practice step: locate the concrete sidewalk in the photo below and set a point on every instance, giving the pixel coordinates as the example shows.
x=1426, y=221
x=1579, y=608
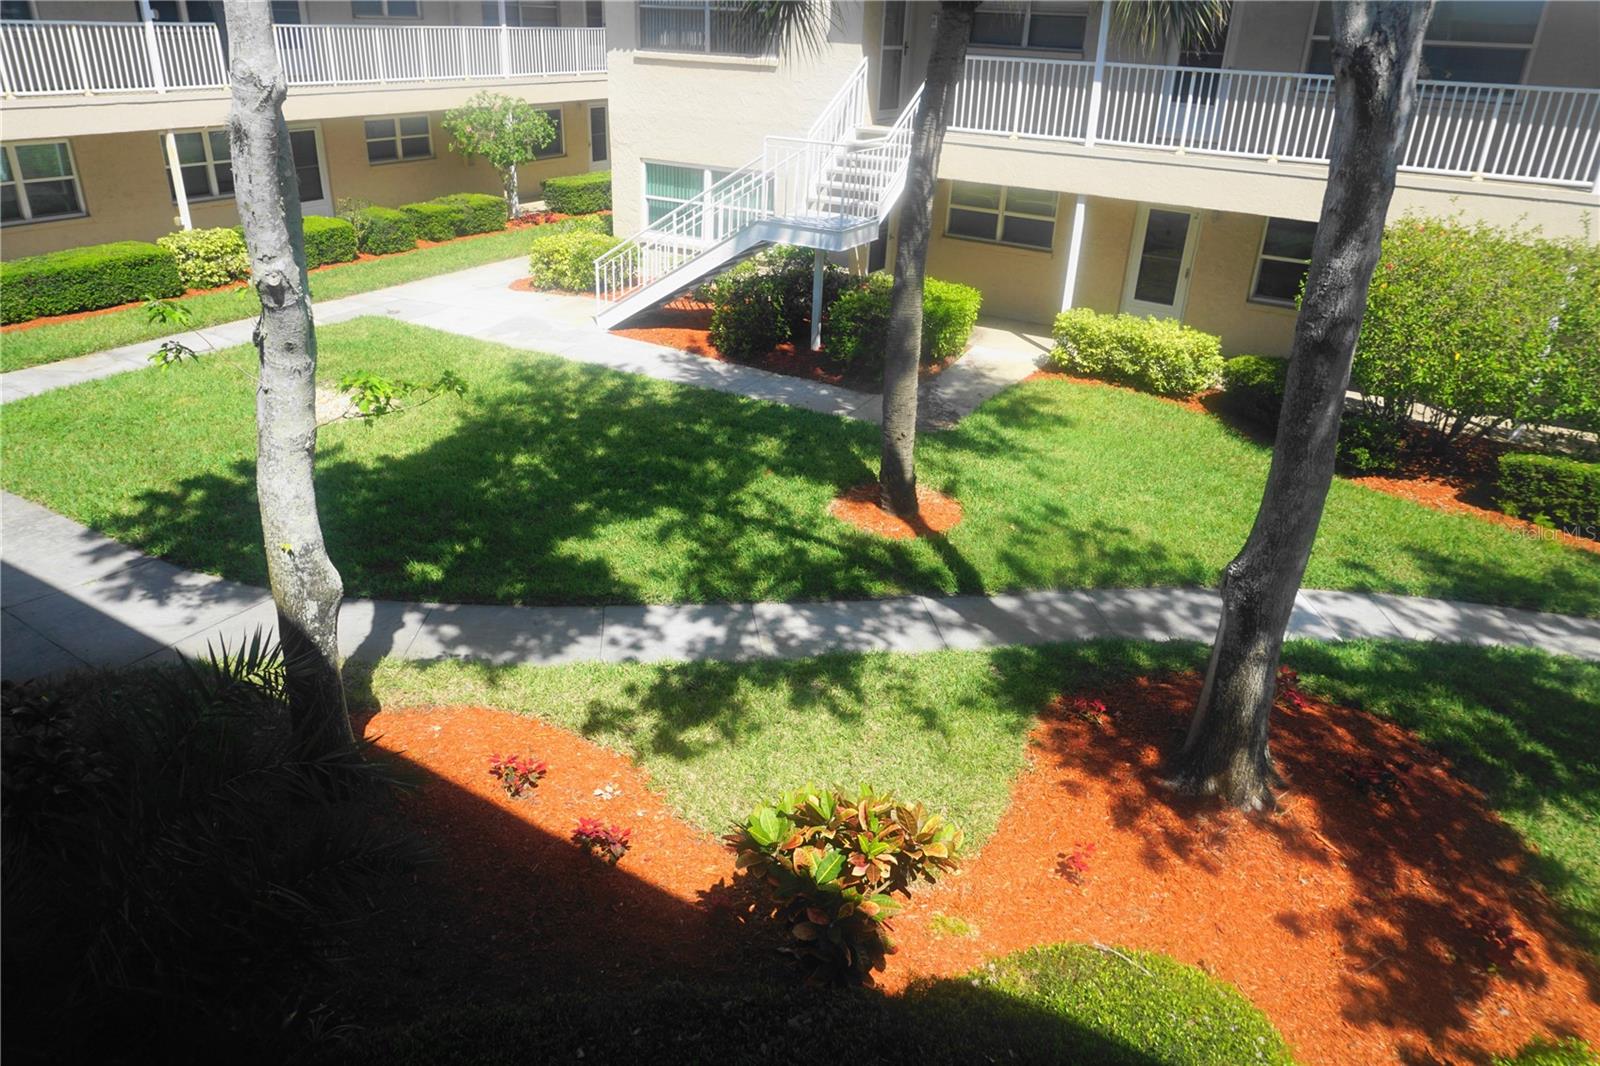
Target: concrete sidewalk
x=71, y=598
x=480, y=303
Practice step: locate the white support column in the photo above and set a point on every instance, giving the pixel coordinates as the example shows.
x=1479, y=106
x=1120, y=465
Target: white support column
x=153, y=53
x=1092, y=129
x=505, y=43
x=818, y=263
x=177, y=180
x=1069, y=287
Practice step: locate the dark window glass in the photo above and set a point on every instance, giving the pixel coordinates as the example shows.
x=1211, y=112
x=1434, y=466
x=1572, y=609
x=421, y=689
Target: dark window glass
x=53, y=198
x=379, y=127
x=558, y=146
x=366, y=9
x=286, y=12
x=1279, y=280
x=1051, y=27
x=1443, y=62
x=10, y=205
x=1289, y=238
x=594, y=14
x=17, y=11
x=303, y=144
x=404, y=9
x=197, y=180
x=415, y=147
x=384, y=151
x=1000, y=26
x=1034, y=232
x=599, y=148
x=414, y=126
x=964, y=223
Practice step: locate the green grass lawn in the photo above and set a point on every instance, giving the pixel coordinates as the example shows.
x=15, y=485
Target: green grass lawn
x=948, y=729
x=47, y=344
x=553, y=482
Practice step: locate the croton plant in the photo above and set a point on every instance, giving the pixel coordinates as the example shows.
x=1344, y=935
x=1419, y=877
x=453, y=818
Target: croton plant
x=835, y=861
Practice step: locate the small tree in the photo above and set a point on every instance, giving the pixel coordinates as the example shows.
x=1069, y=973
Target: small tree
x=504, y=130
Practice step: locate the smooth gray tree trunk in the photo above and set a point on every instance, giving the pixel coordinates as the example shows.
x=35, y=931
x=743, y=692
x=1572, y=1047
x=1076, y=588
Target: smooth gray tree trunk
x=952, y=26
x=305, y=586
x=1376, y=49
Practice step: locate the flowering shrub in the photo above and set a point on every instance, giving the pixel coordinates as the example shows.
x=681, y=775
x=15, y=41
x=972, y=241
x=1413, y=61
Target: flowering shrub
x=1289, y=689
x=834, y=861
x=516, y=773
x=609, y=842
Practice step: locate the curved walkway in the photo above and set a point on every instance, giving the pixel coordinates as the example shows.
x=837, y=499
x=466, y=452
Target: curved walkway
x=70, y=597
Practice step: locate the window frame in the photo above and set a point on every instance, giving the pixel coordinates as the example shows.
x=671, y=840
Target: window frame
x=398, y=138
x=21, y=183
x=210, y=164
x=705, y=8
x=1000, y=213
x=385, y=13
x=709, y=176
x=514, y=19
x=1251, y=295
x=1312, y=37
x=559, y=146
x=1027, y=32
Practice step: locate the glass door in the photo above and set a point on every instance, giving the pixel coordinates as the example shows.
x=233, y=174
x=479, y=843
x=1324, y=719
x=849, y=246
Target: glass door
x=892, y=57
x=1160, y=261
x=305, y=143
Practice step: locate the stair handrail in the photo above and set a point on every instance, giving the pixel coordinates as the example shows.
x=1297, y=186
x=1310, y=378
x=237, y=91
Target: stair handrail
x=846, y=110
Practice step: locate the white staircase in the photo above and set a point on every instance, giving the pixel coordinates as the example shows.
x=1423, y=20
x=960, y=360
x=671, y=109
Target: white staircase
x=830, y=189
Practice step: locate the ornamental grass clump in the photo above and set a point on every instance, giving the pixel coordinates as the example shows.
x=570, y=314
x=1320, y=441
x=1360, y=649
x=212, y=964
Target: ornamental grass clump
x=834, y=862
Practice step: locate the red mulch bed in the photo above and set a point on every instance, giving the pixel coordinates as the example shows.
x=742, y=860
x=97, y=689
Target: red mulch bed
x=1341, y=916
x=525, y=222
x=858, y=506
x=1455, y=480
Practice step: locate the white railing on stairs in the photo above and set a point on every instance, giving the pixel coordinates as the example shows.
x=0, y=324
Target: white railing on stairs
x=749, y=194
x=1514, y=132
x=60, y=58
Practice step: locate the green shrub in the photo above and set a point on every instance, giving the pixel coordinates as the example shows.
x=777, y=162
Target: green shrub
x=1459, y=319
x=1542, y=1051
x=858, y=323
x=1550, y=489
x=1368, y=443
x=1158, y=355
x=86, y=279
x=834, y=861
x=480, y=212
x=580, y=224
x=329, y=240
x=565, y=259
x=766, y=300
x=382, y=230
x=435, y=221
x=1253, y=387
x=579, y=194
x=208, y=258
x=185, y=871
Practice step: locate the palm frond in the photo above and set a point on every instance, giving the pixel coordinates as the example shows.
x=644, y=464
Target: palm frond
x=1190, y=22
x=800, y=27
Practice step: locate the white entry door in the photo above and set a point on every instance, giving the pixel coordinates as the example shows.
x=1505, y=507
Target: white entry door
x=1159, y=262
x=309, y=167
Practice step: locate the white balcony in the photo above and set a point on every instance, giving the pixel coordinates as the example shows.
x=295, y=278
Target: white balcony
x=94, y=58
x=1522, y=133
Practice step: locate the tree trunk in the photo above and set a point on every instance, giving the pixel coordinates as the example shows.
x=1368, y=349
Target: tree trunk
x=509, y=179
x=952, y=25
x=1376, y=47
x=305, y=586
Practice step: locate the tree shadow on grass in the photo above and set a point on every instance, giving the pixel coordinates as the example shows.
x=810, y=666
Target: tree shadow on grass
x=1431, y=870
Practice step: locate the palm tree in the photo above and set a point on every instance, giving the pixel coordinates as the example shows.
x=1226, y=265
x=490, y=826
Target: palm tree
x=1377, y=47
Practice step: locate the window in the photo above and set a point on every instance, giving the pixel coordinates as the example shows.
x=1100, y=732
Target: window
x=390, y=140
x=395, y=9
x=716, y=27
x=1467, y=40
x=1281, y=265
x=16, y=11
x=186, y=11
x=594, y=14
x=599, y=143
x=1056, y=26
x=667, y=185
x=205, y=162
x=522, y=13
x=286, y=12
x=38, y=181
x=1003, y=214
x=557, y=147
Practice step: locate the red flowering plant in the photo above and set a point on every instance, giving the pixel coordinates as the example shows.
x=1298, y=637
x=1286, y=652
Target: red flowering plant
x=1074, y=865
x=834, y=862
x=609, y=842
x=517, y=773
x=1289, y=689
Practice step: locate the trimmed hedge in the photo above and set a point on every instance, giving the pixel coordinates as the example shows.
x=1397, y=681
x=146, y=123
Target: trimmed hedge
x=1253, y=387
x=328, y=240
x=1156, y=355
x=858, y=322
x=480, y=212
x=581, y=224
x=86, y=279
x=383, y=230
x=435, y=221
x=1550, y=489
x=208, y=257
x=565, y=260
x=579, y=194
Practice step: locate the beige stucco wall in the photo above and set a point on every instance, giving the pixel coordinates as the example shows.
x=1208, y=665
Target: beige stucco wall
x=126, y=194
x=712, y=111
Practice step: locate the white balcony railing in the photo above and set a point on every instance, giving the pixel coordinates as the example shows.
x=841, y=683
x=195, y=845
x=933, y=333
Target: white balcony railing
x=61, y=58
x=1515, y=132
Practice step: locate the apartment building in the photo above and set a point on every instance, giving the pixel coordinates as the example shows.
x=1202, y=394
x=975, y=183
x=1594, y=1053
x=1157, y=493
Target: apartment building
x=113, y=111
x=1081, y=169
